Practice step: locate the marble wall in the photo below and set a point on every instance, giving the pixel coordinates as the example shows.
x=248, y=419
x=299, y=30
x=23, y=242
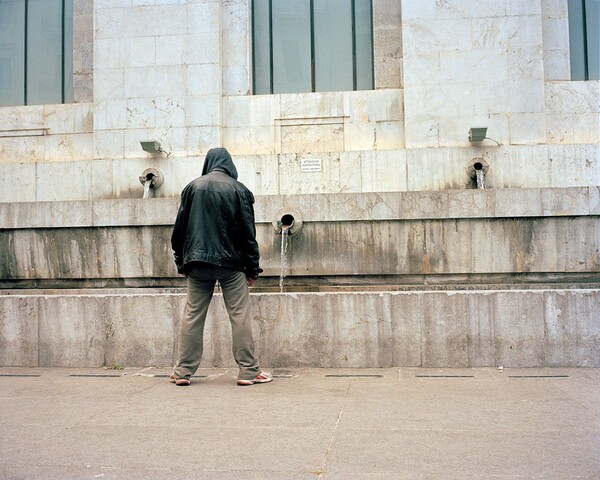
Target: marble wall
x=180, y=72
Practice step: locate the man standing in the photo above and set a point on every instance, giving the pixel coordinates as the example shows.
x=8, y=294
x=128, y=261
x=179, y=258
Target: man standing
x=214, y=238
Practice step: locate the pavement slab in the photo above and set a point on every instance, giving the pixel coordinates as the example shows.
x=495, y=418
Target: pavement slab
x=377, y=424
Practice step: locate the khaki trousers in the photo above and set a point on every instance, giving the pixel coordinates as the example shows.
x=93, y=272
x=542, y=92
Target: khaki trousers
x=201, y=285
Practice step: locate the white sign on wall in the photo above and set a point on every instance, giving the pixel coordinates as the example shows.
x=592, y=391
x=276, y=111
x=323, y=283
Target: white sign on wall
x=310, y=165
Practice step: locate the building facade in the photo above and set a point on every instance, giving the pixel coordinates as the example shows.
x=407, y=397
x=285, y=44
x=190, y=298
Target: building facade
x=181, y=72
x=443, y=157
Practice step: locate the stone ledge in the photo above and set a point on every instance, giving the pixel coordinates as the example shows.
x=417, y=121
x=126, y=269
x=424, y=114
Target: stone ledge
x=336, y=207
x=516, y=328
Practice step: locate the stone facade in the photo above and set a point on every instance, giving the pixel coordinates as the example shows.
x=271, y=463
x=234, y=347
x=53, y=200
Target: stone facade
x=426, y=269
x=180, y=72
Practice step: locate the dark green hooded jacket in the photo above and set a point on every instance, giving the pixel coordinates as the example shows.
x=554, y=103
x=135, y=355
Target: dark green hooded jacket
x=215, y=221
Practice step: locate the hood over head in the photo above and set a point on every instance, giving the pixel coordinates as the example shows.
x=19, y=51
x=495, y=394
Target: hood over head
x=219, y=159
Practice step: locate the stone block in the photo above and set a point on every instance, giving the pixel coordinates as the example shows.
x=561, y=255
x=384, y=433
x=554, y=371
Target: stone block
x=423, y=69
x=236, y=80
x=203, y=17
x=438, y=169
x=564, y=98
x=556, y=65
x=234, y=45
x=21, y=174
x=110, y=114
x=415, y=205
x=292, y=180
x=406, y=311
x=527, y=96
x=356, y=330
x=586, y=128
x=110, y=20
x=519, y=329
x=209, y=53
x=561, y=202
x=259, y=173
x=389, y=135
x=75, y=174
x=313, y=105
x=140, y=329
x=519, y=167
x=555, y=32
x=69, y=119
x=164, y=80
x=73, y=331
x=254, y=140
x=444, y=331
x=171, y=49
x=527, y=128
x=418, y=9
x=249, y=111
x=527, y=201
x=155, y=20
x=287, y=329
x=109, y=53
x=29, y=149
x=594, y=193
x=27, y=215
x=472, y=204
x=384, y=171
x=200, y=139
x=523, y=31
x=142, y=51
x=109, y=84
x=109, y=144
x=316, y=137
x=170, y=113
x=351, y=172
x=22, y=117
x=571, y=320
x=421, y=132
x=130, y=212
x=206, y=110
x=481, y=345
x=18, y=331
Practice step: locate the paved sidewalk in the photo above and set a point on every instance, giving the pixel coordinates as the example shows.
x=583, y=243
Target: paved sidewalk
x=376, y=424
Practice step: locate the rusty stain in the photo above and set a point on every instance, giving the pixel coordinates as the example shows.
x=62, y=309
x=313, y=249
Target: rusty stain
x=425, y=264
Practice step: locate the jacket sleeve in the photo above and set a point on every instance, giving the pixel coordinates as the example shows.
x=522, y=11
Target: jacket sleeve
x=249, y=245
x=179, y=231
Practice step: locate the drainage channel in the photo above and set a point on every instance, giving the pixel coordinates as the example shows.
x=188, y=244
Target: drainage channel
x=353, y=376
x=537, y=376
x=20, y=375
x=445, y=376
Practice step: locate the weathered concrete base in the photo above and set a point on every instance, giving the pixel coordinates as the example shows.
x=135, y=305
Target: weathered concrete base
x=518, y=328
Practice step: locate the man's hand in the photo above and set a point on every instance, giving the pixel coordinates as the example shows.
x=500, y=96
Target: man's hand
x=250, y=281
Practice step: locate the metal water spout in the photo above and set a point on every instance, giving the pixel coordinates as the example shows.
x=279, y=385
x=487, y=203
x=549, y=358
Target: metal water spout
x=477, y=170
x=287, y=222
x=151, y=179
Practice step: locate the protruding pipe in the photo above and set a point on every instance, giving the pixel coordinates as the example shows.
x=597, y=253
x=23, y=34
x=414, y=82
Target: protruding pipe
x=477, y=171
x=151, y=179
x=288, y=220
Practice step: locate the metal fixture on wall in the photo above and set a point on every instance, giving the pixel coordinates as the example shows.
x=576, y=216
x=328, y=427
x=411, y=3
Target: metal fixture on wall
x=152, y=146
x=151, y=179
x=479, y=134
x=289, y=220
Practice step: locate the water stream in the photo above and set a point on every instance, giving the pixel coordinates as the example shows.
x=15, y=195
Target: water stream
x=147, y=187
x=480, y=176
x=284, y=260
